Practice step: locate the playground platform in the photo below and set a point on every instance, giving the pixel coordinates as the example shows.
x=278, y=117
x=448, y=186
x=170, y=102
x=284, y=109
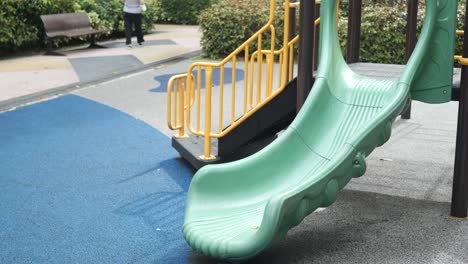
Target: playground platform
x=91, y=177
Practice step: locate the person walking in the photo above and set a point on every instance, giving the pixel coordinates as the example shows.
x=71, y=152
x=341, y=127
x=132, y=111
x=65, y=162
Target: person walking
x=133, y=10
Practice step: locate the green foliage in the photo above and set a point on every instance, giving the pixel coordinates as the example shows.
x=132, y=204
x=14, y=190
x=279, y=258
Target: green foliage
x=21, y=27
x=460, y=25
x=107, y=14
x=229, y=23
x=20, y=22
x=383, y=34
x=182, y=11
x=383, y=29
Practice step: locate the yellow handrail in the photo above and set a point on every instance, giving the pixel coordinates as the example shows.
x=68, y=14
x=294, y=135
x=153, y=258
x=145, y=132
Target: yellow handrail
x=207, y=133
x=461, y=60
x=175, y=123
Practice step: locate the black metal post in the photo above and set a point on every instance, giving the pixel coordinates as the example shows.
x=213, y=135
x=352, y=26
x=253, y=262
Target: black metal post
x=410, y=40
x=354, y=31
x=316, y=38
x=460, y=177
x=306, y=42
x=292, y=30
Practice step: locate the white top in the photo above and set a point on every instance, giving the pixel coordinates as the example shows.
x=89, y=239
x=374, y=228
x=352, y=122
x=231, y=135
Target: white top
x=132, y=6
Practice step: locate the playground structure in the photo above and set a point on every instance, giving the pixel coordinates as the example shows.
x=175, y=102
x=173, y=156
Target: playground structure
x=234, y=200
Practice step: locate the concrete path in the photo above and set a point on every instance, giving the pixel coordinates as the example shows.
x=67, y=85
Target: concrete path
x=30, y=78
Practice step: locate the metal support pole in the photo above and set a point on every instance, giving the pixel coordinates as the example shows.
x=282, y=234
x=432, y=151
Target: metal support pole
x=354, y=31
x=316, y=39
x=306, y=42
x=460, y=177
x=410, y=40
x=292, y=31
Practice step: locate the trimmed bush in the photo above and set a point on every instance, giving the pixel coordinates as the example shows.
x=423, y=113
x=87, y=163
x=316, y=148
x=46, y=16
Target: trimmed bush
x=383, y=29
x=383, y=33
x=229, y=23
x=182, y=11
x=107, y=14
x=21, y=27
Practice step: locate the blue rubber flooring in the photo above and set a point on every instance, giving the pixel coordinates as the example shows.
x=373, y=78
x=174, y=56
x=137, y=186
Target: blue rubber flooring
x=83, y=183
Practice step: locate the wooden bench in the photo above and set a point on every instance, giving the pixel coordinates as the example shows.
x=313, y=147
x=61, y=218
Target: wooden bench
x=68, y=26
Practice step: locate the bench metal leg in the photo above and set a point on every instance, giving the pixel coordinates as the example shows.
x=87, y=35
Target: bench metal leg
x=50, y=51
x=94, y=45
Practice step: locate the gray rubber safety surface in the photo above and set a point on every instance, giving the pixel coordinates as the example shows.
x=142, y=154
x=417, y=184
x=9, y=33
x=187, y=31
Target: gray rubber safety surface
x=96, y=68
x=364, y=227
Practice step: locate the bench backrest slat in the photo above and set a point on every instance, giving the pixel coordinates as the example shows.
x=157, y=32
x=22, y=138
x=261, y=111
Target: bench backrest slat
x=65, y=22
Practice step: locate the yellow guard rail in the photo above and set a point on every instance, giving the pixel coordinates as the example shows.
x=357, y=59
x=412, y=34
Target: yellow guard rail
x=184, y=91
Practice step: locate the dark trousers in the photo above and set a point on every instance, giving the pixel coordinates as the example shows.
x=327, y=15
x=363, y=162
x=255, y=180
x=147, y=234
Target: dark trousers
x=130, y=20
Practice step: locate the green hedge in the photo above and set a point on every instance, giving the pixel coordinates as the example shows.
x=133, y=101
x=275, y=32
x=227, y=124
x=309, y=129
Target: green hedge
x=21, y=27
x=182, y=11
x=20, y=22
x=383, y=29
x=383, y=32
x=108, y=14
x=229, y=23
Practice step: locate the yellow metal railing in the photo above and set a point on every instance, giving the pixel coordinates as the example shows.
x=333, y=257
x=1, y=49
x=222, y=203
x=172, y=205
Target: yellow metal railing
x=185, y=90
x=175, y=121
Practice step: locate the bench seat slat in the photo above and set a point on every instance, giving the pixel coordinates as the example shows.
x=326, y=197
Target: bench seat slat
x=75, y=33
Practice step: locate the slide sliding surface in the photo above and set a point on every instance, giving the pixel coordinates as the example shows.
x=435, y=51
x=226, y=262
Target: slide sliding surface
x=236, y=210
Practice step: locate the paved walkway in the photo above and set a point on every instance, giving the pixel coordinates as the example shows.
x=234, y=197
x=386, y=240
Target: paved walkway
x=29, y=78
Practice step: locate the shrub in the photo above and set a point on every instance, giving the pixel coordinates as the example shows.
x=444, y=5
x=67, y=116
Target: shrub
x=182, y=11
x=108, y=14
x=383, y=33
x=20, y=21
x=383, y=29
x=227, y=24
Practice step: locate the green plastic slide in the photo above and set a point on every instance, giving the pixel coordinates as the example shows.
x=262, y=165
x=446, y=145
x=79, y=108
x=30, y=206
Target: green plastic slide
x=236, y=210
